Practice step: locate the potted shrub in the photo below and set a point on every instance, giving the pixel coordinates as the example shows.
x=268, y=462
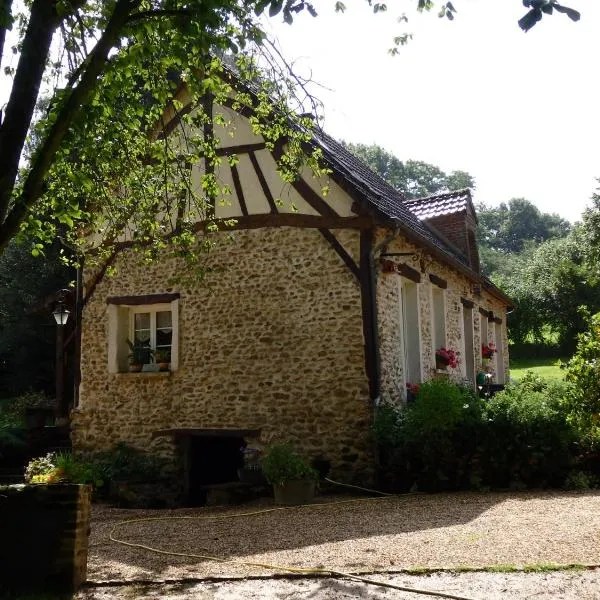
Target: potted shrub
x=292, y=478
x=163, y=359
x=140, y=354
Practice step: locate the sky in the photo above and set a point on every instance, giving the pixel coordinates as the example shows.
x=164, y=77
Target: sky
x=519, y=111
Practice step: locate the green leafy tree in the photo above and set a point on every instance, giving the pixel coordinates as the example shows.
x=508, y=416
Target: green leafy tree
x=414, y=178
x=509, y=227
x=28, y=337
x=548, y=284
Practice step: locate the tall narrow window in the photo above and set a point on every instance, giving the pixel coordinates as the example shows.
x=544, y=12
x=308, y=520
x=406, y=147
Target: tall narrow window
x=499, y=354
x=468, y=362
x=409, y=295
x=483, y=329
x=438, y=318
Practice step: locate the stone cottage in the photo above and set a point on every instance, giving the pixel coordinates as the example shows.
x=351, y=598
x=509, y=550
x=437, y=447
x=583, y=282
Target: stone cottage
x=319, y=313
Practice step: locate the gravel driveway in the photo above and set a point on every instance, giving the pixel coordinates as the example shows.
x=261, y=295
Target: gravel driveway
x=444, y=531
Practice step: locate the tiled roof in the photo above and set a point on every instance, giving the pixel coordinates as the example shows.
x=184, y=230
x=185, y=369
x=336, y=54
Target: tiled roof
x=387, y=200
x=440, y=204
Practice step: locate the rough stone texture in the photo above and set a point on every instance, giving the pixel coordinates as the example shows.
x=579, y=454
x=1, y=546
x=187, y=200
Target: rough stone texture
x=274, y=342
x=393, y=381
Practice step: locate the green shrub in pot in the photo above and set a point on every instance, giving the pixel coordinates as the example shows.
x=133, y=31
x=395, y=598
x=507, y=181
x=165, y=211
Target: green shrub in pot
x=292, y=477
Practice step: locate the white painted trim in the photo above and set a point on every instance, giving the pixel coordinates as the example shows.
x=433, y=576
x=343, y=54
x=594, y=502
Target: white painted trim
x=120, y=326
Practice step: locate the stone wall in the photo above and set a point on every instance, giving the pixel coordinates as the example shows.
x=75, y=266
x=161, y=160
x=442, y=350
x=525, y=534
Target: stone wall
x=272, y=341
x=390, y=333
x=44, y=537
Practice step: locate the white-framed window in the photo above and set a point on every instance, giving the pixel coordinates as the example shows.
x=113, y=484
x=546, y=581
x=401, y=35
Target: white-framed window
x=499, y=354
x=411, y=333
x=438, y=319
x=483, y=329
x=154, y=323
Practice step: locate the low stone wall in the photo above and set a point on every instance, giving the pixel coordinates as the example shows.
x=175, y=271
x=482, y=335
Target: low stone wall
x=44, y=531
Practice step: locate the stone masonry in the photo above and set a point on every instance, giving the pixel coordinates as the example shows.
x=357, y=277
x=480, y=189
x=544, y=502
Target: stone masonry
x=393, y=381
x=272, y=341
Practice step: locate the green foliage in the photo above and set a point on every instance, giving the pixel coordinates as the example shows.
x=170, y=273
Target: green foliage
x=449, y=439
x=27, y=338
x=528, y=439
x=580, y=480
x=140, y=352
x=509, y=228
x=583, y=371
x=415, y=179
x=429, y=444
x=126, y=463
x=12, y=410
x=63, y=467
x=281, y=464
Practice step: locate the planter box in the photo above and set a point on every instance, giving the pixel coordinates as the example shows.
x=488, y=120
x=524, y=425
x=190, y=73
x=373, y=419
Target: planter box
x=295, y=492
x=44, y=537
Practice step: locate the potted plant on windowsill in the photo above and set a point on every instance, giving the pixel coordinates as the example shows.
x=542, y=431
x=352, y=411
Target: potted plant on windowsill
x=487, y=353
x=445, y=357
x=292, y=478
x=140, y=354
x=163, y=359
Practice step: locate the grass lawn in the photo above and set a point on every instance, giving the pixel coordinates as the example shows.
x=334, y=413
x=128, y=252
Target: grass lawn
x=544, y=367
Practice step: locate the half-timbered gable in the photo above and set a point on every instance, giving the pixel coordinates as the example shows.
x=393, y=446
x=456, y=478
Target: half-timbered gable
x=321, y=308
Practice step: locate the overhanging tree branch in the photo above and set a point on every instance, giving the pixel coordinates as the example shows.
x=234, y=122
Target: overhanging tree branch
x=32, y=187
x=5, y=21
x=21, y=104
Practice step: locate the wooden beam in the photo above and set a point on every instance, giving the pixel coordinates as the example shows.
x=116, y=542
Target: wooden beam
x=237, y=184
x=467, y=303
x=498, y=320
x=144, y=299
x=341, y=251
x=313, y=198
x=441, y=283
x=308, y=194
x=369, y=313
x=263, y=183
x=241, y=149
x=483, y=312
x=259, y=221
x=408, y=272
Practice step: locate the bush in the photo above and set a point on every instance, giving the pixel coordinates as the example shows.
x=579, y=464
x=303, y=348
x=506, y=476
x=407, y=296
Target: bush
x=449, y=439
x=528, y=440
x=430, y=444
x=12, y=410
x=281, y=464
x=583, y=372
x=126, y=463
